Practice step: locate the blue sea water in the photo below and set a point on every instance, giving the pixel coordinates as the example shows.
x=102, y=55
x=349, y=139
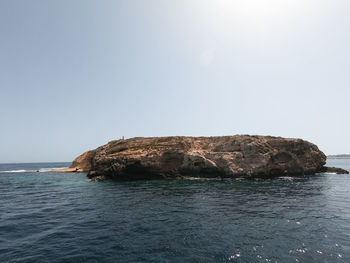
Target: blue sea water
x=54, y=217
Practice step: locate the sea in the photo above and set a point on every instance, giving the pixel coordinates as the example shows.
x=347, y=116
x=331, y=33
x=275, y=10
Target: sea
x=54, y=217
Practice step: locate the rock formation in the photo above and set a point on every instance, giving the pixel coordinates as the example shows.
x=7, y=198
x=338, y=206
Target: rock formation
x=81, y=164
x=334, y=170
x=224, y=156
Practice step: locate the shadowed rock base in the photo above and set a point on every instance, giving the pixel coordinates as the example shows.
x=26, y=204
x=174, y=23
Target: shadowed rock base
x=208, y=157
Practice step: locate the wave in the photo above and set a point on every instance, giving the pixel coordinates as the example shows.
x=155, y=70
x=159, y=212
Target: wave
x=16, y=171
x=200, y=178
x=288, y=178
x=40, y=170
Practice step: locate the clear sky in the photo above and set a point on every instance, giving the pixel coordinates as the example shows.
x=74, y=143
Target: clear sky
x=77, y=74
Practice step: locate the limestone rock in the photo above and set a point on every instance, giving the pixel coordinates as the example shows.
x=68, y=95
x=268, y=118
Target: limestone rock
x=80, y=164
x=334, y=170
x=224, y=156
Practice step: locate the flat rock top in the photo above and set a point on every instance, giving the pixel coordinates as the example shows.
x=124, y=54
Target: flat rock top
x=239, y=143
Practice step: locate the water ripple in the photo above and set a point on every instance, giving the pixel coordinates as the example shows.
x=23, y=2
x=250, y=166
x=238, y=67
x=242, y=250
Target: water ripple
x=51, y=217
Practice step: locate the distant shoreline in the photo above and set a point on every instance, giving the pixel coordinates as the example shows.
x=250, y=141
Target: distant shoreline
x=339, y=156
x=35, y=162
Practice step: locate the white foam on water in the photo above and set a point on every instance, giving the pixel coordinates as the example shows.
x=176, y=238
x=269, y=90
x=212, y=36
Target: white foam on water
x=40, y=170
x=197, y=178
x=17, y=171
x=288, y=178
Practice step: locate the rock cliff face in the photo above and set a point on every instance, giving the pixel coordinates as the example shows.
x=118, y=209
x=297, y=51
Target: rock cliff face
x=84, y=161
x=225, y=156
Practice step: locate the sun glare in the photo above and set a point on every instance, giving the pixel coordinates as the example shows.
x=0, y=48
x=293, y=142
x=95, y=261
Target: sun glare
x=251, y=8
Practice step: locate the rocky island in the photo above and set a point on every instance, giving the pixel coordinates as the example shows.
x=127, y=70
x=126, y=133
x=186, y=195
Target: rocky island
x=208, y=157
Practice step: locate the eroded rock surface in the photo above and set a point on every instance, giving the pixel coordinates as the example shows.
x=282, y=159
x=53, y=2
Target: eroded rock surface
x=80, y=164
x=224, y=156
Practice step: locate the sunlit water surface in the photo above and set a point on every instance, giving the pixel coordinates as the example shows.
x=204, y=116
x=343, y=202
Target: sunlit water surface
x=52, y=217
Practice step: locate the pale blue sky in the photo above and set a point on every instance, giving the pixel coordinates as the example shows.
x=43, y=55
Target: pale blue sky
x=76, y=74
